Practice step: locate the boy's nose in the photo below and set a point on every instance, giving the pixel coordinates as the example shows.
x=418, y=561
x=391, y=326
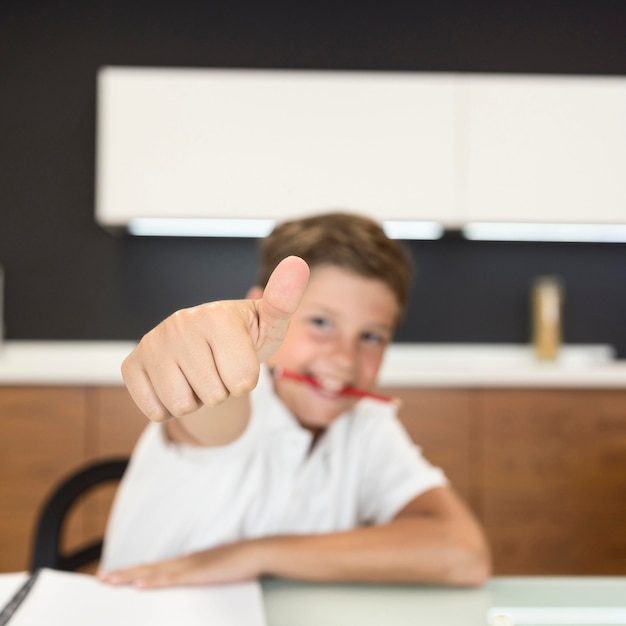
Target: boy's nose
x=344, y=355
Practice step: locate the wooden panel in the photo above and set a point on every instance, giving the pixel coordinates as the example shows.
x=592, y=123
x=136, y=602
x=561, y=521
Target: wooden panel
x=603, y=484
x=440, y=422
x=114, y=425
x=545, y=470
x=115, y=422
x=42, y=440
x=554, y=481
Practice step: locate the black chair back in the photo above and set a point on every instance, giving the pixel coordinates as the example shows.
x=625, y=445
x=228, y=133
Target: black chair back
x=47, y=541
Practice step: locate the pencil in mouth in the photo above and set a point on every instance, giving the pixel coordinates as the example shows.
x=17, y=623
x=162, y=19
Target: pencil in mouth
x=281, y=372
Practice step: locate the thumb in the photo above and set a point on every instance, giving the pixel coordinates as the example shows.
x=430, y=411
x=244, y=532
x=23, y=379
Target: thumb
x=280, y=300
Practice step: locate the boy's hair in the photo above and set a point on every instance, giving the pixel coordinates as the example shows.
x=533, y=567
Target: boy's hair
x=350, y=241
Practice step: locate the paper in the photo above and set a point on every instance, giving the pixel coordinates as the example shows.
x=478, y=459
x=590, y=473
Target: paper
x=68, y=599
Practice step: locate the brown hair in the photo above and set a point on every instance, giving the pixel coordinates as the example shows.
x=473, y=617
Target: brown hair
x=350, y=241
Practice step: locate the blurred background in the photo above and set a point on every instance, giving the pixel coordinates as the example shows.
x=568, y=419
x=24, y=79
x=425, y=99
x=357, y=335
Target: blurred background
x=537, y=449
x=66, y=278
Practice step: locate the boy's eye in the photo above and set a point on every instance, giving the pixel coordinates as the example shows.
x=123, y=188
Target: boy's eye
x=320, y=322
x=375, y=338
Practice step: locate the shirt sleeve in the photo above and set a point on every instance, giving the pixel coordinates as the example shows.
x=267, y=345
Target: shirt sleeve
x=394, y=471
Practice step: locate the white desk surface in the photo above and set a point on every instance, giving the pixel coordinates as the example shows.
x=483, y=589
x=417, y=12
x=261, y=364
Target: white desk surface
x=588, y=601
x=539, y=601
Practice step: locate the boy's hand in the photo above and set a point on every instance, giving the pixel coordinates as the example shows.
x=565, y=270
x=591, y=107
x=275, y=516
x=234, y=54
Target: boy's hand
x=231, y=563
x=203, y=354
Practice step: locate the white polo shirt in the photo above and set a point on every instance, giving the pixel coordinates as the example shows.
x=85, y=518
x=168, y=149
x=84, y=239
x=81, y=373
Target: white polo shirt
x=176, y=499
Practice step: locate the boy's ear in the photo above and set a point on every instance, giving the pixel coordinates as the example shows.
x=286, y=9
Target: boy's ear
x=255, y=293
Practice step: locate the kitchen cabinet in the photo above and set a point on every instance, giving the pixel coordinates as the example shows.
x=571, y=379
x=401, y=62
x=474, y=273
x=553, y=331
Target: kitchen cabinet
x=113, y=426
x=544, y=149
x=175, y=143
x=43, y=435
x=440, y=421
x=543, y=469
x=553, y=480
x=446, y=147
x=47, y=432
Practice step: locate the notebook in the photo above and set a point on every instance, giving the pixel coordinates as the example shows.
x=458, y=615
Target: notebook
x=68, y=599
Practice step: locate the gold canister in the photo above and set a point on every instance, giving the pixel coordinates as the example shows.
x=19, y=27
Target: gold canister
x=547, y=316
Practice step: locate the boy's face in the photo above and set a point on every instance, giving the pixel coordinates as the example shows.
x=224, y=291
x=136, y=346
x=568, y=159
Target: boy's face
x=338, y=335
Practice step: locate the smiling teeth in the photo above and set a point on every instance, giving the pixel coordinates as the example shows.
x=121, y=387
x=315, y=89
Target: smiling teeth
x=331, y=384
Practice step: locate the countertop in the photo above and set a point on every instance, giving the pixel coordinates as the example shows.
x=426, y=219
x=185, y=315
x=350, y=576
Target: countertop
x=406, y=365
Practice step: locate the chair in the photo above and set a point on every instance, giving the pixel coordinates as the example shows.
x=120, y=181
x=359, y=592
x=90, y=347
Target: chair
x=47, y=540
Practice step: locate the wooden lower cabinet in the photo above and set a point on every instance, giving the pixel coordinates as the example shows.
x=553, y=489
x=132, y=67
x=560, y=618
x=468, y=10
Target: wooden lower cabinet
x=440, y=422
x=48, y=432
x=553, y=480
x=114, y=424
x=43, y=438
x=544, y=470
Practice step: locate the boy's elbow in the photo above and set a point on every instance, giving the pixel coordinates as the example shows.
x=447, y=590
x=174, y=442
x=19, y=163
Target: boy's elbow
x=465, y=557
x=471, y=566
x=475, y=573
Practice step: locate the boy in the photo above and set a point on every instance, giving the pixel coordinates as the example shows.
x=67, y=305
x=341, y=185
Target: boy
x=265, y=475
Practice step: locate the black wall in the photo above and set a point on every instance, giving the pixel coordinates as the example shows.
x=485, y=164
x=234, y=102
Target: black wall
x=68, y=279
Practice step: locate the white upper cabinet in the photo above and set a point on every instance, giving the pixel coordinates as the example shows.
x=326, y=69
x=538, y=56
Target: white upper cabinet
x=271, y=144
x=274, y=143
x=544, y=149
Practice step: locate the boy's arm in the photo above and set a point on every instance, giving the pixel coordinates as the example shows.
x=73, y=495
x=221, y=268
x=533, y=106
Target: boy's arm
x=211, y=426
x=202, y=356
x=434, y=539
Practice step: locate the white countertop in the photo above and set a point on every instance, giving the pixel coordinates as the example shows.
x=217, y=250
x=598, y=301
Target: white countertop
x=63, y=362
x=500, y=365
x=407, y=365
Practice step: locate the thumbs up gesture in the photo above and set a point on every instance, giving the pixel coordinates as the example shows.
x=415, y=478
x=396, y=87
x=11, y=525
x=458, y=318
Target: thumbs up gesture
x=204, y=354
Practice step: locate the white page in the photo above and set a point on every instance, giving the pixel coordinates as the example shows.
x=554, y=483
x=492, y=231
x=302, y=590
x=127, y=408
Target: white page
x=68, y=599
x=9, y=584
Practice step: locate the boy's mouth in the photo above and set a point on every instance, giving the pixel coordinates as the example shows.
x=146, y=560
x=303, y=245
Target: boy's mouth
x=329, y=385
x=325, y=384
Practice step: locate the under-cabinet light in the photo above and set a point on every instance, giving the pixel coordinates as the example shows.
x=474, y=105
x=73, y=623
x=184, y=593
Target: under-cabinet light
x=209, y=227
x=522, y=231
x=409, y=229
x=199, y=227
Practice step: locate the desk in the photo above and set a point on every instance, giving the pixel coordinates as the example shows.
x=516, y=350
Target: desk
x=588, y=601
x=537, y=601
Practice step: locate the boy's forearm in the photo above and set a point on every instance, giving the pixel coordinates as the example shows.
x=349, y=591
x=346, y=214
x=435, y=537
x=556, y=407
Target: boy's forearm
x=211, y=426
x=411, y=549
x=416, y=550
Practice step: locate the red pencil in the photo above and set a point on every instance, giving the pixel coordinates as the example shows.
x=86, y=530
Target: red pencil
x=279, y=372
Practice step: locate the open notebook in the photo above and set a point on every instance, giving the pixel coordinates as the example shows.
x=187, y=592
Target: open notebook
x=68, y=599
